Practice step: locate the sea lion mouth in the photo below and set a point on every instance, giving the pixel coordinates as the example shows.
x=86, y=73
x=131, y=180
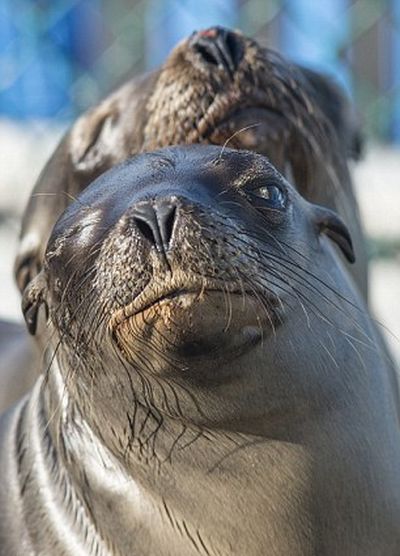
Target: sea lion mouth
x=153, y=297
x=238, y=118
x=252, y=127
x=249, y=112
x=206, y=322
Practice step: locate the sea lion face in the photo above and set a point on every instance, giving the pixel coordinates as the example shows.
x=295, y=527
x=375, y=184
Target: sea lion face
x=219, y=86
x=223, y=87
x=175, y=272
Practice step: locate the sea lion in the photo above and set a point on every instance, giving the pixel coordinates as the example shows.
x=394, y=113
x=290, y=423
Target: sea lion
x=218, y=87
x=214, y=385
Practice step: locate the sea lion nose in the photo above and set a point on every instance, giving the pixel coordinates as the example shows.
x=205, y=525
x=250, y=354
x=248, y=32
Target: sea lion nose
x=220, y=47
x=155, y=221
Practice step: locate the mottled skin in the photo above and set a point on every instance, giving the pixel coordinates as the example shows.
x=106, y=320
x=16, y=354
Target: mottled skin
x=214, y=382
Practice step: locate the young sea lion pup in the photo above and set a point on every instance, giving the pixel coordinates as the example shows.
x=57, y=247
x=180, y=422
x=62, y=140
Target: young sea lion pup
x=214, y=384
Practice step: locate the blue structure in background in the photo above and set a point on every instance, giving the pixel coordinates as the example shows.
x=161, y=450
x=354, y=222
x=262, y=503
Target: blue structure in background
x=313, y=34
x=169, y=21
x=41, y=45
x=395, y=127
x=46, y=45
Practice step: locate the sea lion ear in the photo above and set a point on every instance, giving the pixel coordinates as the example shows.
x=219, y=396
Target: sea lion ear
x=94, y=138
x=330, y=224
x=33, y=297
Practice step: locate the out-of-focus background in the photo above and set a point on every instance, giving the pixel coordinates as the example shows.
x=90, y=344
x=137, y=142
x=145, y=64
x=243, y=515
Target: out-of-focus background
x=58, y=57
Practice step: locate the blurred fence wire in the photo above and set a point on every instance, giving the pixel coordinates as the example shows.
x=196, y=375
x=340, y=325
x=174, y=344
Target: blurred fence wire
x=58, y=57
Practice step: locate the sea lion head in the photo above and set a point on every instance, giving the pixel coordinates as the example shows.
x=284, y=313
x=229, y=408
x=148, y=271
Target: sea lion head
x=220, y=86
x=181, y=281
x=223, y=86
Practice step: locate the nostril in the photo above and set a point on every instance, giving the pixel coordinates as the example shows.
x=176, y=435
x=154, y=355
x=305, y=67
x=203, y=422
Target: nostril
x=155, y=222
x=206, y=52
x=169, y=225
x=219, y=47
x=145, y=229
x=235, y=47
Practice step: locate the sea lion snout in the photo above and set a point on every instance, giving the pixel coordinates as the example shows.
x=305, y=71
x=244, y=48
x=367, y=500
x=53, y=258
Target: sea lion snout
x=220, y=47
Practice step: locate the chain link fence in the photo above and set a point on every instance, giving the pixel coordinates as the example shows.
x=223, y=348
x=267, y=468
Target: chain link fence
x=59, y=57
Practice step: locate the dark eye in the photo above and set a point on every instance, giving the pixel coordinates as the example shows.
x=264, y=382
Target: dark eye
x=272, y=196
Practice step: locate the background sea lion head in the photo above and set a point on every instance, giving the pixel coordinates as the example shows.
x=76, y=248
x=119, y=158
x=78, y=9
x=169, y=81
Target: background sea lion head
x=217, y=86
x=222, y=86
x=181, y=281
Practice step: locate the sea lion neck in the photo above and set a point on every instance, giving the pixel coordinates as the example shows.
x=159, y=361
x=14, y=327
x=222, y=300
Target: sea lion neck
x=108, y=495
x=152, y=483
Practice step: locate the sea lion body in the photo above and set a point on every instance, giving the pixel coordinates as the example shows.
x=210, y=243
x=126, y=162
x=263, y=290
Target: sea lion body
x=215, y=384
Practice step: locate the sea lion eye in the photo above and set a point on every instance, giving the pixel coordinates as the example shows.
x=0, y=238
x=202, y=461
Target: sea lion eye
x=272, y=195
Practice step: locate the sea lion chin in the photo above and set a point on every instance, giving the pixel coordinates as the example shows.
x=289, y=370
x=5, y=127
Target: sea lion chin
x=207, y=325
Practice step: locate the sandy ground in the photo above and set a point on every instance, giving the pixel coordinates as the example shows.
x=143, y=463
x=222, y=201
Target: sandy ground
x=377, y=178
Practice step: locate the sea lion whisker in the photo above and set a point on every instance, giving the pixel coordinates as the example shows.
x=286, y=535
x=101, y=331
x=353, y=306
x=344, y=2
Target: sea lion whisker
x=151, y=411
x=292, y=293
x=63, y=335
x=235, y=134
x=154, y=379
x=357, y=352
x=93, y=251
x=199, y=433
x=147, y=390
x=298, y=294
x=88, y=274
x=175, y=443
x=55, y=194
x=330, y=355
x=263, y=305
x=228, y=307
x=153, y=344
x=167, y=382
x=301, y=280
x=318, y=313
x=245, y=444
x=281, y=260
